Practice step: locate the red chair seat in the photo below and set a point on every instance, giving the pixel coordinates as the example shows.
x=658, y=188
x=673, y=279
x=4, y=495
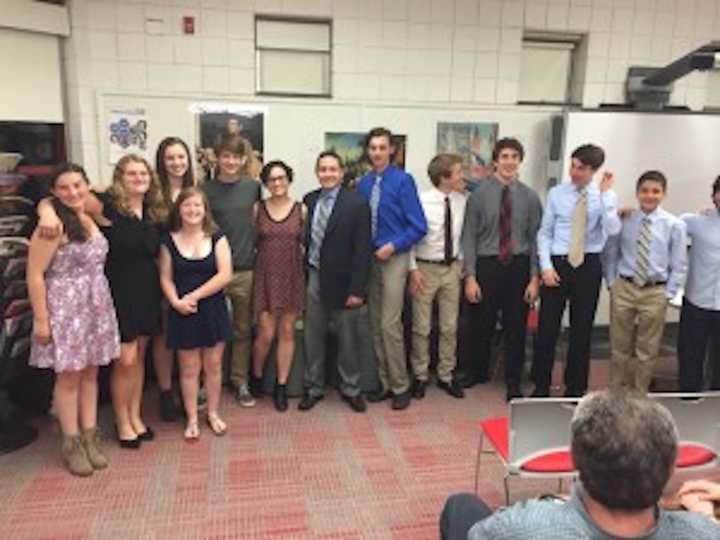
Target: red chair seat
x=552, y=462
x=497, y=431
x=690, y=455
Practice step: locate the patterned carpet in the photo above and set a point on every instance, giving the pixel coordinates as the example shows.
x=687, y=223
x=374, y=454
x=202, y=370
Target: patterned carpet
x=327, y=474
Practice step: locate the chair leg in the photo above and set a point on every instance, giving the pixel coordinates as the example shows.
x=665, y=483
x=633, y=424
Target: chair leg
x=560, y=485
x=477, y=464
x=506, y=482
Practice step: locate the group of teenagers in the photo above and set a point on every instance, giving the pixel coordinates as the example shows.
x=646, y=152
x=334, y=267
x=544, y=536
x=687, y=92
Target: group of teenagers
x=154, y=260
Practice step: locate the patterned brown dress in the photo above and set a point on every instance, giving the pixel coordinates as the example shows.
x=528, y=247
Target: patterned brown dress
x=279, y=277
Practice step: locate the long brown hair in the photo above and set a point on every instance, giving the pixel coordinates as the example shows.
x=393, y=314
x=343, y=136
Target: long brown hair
x=188, y=179
x=153, y=199
x=72, y=226
x=208, y=224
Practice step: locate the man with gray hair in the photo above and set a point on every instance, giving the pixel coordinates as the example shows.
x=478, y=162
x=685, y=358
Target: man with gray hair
x=624, y=446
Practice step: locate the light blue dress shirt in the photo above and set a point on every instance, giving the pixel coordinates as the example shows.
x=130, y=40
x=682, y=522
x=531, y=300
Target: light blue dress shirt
x=328, y=199
x=703, y=281
x=668, y=250
x=554, y=235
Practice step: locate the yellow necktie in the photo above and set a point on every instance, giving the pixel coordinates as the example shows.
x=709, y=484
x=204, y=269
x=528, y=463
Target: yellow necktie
x=576, y=253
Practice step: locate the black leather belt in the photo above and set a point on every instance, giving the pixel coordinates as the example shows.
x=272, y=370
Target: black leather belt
x=442, y=262
x=647, y=284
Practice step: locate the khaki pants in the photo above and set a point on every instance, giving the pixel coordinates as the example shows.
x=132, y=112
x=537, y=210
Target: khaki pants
x=635, y=350
x=385, y=302
x=239, y=291
x=442, y=282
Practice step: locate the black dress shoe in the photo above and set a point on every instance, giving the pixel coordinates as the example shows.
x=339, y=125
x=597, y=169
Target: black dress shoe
x=513, y=391
x=280, y=398
x=380, y=395
x=147, y=435
x=452, y=388
x=401, y=401
x=357, y=403
x=418, y=390
x=308, y=402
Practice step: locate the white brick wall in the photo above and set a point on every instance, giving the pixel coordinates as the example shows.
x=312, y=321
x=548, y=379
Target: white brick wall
x=394, y=51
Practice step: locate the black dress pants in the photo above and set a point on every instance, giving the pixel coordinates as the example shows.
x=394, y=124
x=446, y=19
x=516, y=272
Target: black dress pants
x=580, y=288
x=460, y=513
x=503, y=291
x=697, y=326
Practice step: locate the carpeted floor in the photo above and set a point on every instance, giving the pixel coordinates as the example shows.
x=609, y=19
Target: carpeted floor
x=328, y=473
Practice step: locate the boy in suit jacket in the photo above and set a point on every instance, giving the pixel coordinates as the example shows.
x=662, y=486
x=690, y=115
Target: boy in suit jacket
x=338, y=260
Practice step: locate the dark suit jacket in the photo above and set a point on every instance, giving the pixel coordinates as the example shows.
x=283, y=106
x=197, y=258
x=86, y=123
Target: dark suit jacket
x=345, y=251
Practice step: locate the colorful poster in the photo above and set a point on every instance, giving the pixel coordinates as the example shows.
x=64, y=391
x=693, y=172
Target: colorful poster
x=127, y=132
x=350, y=146
x=473, y=141
x=216, y=119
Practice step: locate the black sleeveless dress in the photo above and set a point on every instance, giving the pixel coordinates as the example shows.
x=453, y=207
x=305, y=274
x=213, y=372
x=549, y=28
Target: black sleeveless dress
x=211, y=323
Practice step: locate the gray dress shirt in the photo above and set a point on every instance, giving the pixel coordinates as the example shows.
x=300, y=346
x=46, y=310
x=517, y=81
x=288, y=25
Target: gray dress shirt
x=481, y=231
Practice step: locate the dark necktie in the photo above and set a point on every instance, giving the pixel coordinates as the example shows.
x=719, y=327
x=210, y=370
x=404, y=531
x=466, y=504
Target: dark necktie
x=448, y=232
x=505, y=248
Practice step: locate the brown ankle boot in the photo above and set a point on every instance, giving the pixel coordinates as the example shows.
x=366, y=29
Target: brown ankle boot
x=92, y=443
x=75, y=457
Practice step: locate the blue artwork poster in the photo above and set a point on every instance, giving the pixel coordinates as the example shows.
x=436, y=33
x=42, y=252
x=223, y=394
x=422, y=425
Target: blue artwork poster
x=127, y=133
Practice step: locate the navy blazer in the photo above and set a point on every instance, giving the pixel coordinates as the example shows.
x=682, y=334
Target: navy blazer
x=345, y=252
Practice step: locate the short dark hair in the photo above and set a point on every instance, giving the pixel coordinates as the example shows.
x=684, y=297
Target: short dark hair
x=591, y=155
x=378, y=132
x=265, y=172
x=235, y=144
x=716, y=185
x=329, y=153
x=652, y=176
x=441, y=167
x=508, y=142
x=624, y=446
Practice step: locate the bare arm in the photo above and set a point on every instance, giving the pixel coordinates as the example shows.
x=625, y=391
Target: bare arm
x=49, y=224
x=223, y=276
x=40, y=255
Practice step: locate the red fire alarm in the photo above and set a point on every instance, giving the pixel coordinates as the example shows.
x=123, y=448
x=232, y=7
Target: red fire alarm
x=188, y=25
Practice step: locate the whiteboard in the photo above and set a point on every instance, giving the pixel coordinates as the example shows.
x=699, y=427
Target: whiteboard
x=683, y=146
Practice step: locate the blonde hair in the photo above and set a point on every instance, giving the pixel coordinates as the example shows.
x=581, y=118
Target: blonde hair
x=153, y=198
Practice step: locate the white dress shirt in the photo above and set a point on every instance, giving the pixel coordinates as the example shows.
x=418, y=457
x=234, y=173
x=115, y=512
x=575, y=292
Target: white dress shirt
x=432, y=246
x=703, y=281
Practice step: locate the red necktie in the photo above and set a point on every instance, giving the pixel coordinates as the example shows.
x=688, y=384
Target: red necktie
x=505, y=250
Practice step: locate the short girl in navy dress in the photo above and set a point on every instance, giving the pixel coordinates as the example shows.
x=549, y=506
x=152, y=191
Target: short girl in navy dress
x=195, y=267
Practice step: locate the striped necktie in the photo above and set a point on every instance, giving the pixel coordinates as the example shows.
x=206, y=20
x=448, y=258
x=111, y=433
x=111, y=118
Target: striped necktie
x=374, y=203
x=642, y=254
x=576, y=252
x=318, y=231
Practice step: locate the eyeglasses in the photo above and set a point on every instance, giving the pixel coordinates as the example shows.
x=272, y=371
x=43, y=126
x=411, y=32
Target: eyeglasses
x=279, y=178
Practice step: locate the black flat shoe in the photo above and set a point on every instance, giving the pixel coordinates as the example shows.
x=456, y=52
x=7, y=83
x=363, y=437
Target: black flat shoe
x=147, y=435
x=131, y=444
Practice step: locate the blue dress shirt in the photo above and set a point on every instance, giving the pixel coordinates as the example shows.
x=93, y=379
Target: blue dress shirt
x=400, y=217
x=703, y=281
x=668, y=250
x=554, y=235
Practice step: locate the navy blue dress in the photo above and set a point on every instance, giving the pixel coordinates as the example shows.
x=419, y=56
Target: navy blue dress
x=211, y=323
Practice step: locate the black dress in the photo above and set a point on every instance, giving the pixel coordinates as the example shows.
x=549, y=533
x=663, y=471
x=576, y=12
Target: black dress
x=132, y=271
x=211, y=323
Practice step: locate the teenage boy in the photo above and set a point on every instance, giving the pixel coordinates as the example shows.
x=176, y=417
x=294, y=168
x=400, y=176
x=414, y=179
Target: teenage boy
x=501, y=268
x=231, y=196
x=644, y=267
x=435, y=274
x=700, y=313
x=397, y=223
x=338, y=260
x=579, y=216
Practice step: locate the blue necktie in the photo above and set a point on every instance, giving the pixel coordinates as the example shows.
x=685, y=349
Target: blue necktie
x=318, y=231
x=374, y=203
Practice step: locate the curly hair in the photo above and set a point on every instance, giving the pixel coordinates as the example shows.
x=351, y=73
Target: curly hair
x=153, y=199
